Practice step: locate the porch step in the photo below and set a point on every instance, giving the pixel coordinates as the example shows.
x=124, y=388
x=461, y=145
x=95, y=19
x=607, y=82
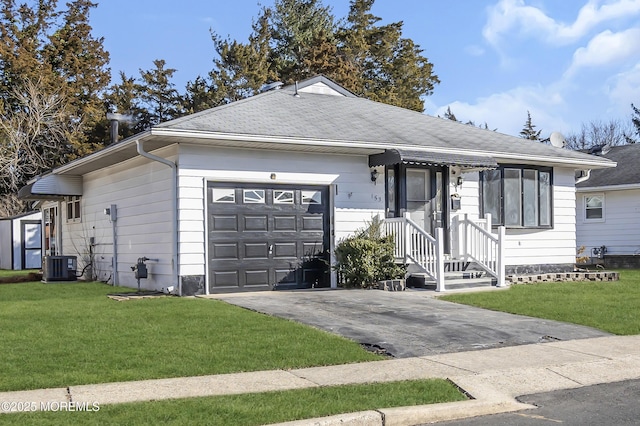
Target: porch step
x=453, y=280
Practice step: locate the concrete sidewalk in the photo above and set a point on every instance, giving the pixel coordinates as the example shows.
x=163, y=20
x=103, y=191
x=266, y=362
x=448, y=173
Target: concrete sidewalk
x=492, y=377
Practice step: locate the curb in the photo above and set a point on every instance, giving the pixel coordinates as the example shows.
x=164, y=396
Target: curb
x=413, y=415
x=489, y=401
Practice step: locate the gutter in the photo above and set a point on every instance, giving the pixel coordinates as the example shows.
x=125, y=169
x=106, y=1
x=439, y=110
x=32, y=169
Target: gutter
x=608, y=187
x=124, y=144
x=174, y=208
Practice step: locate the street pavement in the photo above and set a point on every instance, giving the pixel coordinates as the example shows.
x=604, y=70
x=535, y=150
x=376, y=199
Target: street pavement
x=604, y=404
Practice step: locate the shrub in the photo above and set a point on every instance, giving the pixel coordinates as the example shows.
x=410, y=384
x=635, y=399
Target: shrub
x=367, y=257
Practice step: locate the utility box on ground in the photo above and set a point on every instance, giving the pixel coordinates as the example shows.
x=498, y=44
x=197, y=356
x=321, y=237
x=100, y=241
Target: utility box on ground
x=59, y=268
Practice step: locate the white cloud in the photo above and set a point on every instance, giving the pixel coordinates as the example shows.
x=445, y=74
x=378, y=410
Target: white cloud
x=507, y=111
x=509, y=17
x=625, y=90
x=607, y=48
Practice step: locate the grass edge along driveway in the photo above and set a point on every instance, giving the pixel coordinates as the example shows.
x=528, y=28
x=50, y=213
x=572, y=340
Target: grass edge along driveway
x=609, y=306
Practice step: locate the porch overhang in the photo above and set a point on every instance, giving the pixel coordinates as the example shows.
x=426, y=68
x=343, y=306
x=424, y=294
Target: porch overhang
x=430, y=158
x=51, y=187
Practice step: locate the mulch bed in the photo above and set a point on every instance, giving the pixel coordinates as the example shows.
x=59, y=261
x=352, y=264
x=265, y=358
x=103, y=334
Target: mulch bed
x=30, y=277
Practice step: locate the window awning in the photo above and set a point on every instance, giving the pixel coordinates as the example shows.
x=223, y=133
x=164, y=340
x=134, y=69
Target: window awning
x=51, y=187
x=426, y=158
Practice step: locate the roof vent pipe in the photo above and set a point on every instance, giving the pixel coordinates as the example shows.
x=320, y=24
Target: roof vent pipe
x=114, y=119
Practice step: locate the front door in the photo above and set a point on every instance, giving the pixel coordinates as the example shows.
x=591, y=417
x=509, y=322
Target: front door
x=424, y=198
x=420, y=192
x=420, y=204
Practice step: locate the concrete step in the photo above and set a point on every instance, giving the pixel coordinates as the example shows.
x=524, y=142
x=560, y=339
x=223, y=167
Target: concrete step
x=464, y=275
x=453, y=281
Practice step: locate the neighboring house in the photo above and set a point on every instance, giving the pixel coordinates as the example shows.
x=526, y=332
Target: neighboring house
x=21, y=241
x=256, y=194
x=608, y=208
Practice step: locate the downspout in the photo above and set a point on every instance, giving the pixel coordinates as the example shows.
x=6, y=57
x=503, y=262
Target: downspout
x=584, y=175
x=174, y=208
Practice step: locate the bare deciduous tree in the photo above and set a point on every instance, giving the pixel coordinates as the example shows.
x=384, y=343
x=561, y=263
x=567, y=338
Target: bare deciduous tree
x=599, y=133
x=33, y=136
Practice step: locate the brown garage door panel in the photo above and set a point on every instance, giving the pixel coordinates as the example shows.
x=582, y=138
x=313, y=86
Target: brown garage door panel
x=267, y=237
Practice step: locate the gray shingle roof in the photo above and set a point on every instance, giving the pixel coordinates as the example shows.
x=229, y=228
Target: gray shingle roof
x=626, y=173
x=357, y=120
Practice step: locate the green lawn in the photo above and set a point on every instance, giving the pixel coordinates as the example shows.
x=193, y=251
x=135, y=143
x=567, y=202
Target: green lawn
x=609, y=306
x=254, y=409
x=57, y=335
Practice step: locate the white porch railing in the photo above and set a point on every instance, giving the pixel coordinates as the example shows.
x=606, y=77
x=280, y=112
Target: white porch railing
x=471, y=241
x=477, y=243
x=414, y=245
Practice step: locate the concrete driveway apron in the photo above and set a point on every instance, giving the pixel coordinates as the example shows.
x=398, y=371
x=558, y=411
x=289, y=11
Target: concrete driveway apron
x=407, y=324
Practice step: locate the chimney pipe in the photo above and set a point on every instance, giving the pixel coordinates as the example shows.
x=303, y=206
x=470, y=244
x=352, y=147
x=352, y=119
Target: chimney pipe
x=114, y=120
x=113, y=130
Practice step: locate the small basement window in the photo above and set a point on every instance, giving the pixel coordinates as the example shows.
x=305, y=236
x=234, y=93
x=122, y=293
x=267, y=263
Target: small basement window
x=73, y=209
x=594, y=208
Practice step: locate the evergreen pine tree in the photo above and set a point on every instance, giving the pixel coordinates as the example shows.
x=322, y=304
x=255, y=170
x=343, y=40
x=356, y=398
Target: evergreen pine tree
x=529, y=132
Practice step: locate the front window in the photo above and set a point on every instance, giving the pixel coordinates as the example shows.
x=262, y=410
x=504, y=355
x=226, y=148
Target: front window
x=594, y=207
x=518, y=196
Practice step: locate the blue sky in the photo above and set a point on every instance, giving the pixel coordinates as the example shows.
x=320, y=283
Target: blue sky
x=568, y=62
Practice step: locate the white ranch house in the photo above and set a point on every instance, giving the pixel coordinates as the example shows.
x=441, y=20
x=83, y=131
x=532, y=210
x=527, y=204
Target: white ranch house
x=256, y=194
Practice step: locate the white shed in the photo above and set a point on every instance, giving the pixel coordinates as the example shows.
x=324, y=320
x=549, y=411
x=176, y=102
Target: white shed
x=21, y=241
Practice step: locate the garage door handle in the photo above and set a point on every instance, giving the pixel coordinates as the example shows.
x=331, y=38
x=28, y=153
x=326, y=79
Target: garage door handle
x=270, y=249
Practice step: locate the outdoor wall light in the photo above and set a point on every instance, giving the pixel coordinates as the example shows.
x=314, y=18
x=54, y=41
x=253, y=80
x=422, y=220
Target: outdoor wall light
x=459, y=181
x=374, y=175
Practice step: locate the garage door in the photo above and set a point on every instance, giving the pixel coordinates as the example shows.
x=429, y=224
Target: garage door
x=267, y=237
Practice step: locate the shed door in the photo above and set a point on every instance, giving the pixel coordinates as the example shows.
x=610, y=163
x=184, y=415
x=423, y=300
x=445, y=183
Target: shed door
x=267, y=237
x=31, y=244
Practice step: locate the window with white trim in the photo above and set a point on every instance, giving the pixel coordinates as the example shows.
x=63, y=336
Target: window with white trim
x=518, y=196
x=73, y=209
x=594, y=208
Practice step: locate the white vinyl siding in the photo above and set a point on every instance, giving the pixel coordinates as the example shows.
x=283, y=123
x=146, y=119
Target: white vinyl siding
x=619, y=230
x=141, y=190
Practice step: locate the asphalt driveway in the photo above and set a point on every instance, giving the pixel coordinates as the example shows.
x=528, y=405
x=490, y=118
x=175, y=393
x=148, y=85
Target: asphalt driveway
x=409, y=323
